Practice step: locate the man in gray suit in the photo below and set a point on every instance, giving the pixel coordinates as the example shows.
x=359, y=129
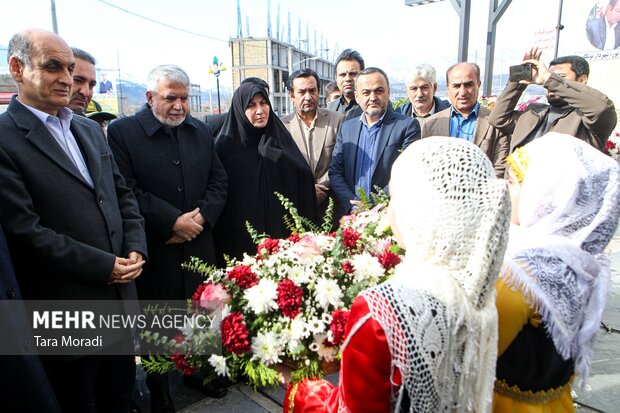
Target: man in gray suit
x=313, y=129
x=466, y=119
x=367, y=146
x=73, y=228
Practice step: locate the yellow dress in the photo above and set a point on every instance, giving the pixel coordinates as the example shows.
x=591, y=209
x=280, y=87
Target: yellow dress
x=514, y=314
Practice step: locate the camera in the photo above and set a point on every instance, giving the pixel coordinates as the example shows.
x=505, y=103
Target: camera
x=521, y=72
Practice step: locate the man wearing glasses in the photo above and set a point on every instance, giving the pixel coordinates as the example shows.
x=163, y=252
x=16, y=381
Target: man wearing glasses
x=466, y=119
x=168, y=160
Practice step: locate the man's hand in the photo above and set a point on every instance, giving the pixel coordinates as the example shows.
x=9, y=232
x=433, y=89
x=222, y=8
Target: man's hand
x=540, y=72
x=357, y=204
x=321, y=193
x=175, y=239
x=127, y=269
x=186, y=227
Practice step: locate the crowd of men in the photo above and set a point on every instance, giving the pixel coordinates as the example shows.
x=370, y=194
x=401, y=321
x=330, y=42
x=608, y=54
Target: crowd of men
x=80, y=215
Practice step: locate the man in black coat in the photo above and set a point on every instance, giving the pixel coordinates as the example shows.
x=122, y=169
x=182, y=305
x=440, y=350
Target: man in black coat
x=73, y=228
x=22, y=377
x=168, y=160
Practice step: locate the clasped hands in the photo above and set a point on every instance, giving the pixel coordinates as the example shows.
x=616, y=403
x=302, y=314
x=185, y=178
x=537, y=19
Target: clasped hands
x=187, y=227
x=127, y=269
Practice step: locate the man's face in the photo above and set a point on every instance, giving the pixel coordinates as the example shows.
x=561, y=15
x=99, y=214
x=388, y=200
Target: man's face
x=463, y=87
x=47, y=84
x=305, y=95
x=613, y=13
x=346, y=72
x=421, y=92
x=84, y=81
x=563, y=70
x=170, y=103
x=372, y=94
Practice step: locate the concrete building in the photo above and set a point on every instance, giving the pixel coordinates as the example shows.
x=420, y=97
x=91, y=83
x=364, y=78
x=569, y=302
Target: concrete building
x=273, y=61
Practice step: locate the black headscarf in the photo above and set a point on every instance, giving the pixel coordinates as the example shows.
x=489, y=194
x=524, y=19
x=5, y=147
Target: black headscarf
x=259, y=162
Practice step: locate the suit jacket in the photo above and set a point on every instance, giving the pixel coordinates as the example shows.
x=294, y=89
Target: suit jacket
x=170, y=176
x=597, y=33
x=22, y=378
x=397, y=132
x=64, y=235
x=592, y=120
x=491, y=140
x=326, y=128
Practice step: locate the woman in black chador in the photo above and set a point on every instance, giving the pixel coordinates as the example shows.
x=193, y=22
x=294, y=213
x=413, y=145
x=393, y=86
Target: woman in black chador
x=260, y=158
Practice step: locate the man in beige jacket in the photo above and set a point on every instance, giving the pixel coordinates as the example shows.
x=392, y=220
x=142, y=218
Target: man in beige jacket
x=466, y=119
x=313, y=129
x=574, y=108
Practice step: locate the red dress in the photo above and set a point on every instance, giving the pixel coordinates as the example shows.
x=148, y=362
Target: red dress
x=365, y=384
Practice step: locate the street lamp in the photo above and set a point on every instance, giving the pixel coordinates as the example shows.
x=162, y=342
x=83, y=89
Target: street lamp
x=462, y=8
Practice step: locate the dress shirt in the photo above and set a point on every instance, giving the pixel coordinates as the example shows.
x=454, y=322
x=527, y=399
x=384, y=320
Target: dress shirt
x=461, y=127
x=610, y=36
x=366, y=155
x=307, y=134
x=430, y=112
x=60, y=128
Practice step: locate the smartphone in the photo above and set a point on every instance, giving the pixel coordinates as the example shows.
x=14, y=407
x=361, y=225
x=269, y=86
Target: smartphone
x=521, y=72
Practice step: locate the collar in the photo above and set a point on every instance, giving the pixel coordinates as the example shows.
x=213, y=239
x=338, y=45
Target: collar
x=362, y=118
x=299, y=118
x=473, y=113
x=430, y=112
x=64, y=114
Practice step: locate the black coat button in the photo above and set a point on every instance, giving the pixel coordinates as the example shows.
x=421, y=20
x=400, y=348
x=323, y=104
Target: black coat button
x=180, y=188
x=176, y=162
x=100, y=200
x=11, y=292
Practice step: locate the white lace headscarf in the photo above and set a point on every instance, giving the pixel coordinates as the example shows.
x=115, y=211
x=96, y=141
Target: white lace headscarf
x=568, y=212
x=438, y=311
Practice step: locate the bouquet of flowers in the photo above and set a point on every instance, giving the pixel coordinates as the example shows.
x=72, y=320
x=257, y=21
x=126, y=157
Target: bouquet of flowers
x=289, y=303
x=613, y=145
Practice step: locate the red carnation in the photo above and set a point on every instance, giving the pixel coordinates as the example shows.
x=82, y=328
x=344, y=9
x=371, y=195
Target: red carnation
x=337, y=326
x=179, y=360
x=610, y=145
x=347, y=267
x=235, y=333
x=294, y=238
x=350, y=238
x=198, y=292
x=243, y=276
x=268, y=247
x=388, y=259
x=289, y=298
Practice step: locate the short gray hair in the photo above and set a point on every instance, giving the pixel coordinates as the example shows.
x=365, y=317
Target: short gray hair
x=21, y=47
x=423, y=71
x=171, y=73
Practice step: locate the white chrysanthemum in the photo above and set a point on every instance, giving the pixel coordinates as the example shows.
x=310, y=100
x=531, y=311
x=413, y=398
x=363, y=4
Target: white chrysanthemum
x=262, y=297
x=326, y=353
x=299, y=274
x=324, y=242
x=366, y=267
x=326, y=318
x=298, y=329
x=315, y=325
x=248, y=260
x=313, y=347
x=266, y=347
x=219, y=364
x=327, y=292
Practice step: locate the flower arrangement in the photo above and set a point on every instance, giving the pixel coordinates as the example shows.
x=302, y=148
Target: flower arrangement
x=488, y=101
x=288, y=303
x=613, y=145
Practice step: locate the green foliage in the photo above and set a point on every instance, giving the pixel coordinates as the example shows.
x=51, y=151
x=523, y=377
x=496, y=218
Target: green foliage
x=400, y=102
x=310, y=371
x=157, y=364
x=297, y=224
x=259, y=375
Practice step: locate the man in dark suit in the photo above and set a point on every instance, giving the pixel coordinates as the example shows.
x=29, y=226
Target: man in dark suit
x=604, y=32
x=22, y=377
x=73, y=228
x=168, y=160
x=366, y=147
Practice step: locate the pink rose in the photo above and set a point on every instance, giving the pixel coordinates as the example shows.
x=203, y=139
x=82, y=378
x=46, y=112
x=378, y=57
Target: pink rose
x=214, y=296
x=307, y=248
x=382, y=245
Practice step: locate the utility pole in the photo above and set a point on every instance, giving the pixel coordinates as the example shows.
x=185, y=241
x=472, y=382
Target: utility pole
x=54, y=22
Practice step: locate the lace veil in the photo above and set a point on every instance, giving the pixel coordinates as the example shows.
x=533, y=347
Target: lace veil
x=568, y=212
x=438, y=311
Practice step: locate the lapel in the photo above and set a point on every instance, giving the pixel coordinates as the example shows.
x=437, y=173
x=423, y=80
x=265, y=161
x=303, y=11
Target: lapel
x=84, y=137
x=383, y=138
x=437, y=124
x=482, y=124
x=350, y=144
x=293, y=126
x=42, y=139
x=321, y=127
